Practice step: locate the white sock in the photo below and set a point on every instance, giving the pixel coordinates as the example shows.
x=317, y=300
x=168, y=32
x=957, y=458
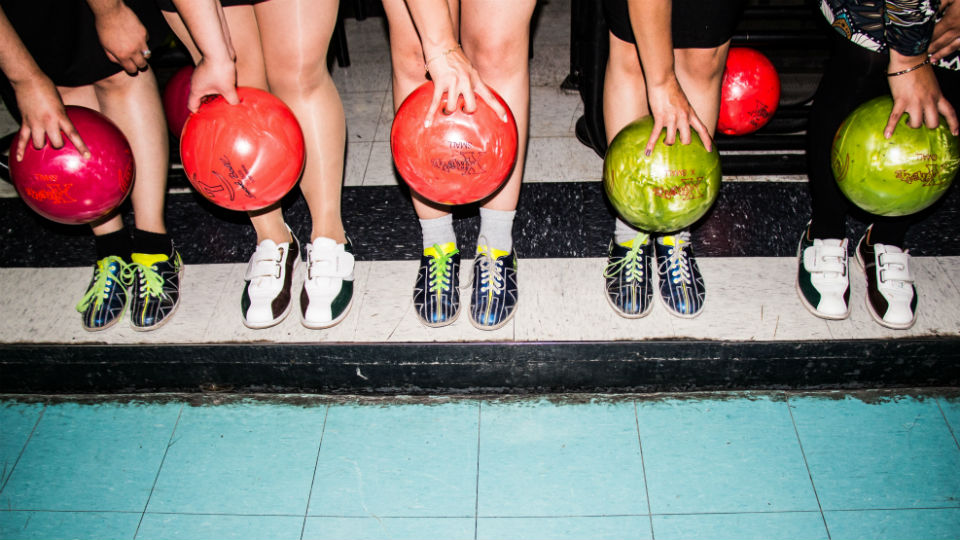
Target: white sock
x=496, y=228
x=438, y=231
x=623, y=232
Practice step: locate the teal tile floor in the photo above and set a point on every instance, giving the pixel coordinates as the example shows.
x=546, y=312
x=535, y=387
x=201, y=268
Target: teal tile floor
x=757, y=465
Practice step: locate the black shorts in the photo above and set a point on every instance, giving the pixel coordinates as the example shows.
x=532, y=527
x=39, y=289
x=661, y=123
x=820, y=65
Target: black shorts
x=62, y=37
x=697, y=24
x=167, y=5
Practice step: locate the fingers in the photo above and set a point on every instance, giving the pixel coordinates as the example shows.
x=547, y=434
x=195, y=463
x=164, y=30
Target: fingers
x=684, y=133
x=703, y=132
x=74, y=136
x=487, y=96
x=469, y=99
x=951, y=115
x=944, y=46
x=652, y=141
x=22, y=142
x=230, y=94
x=434, y=105
x=452, y=96
x=892, y=121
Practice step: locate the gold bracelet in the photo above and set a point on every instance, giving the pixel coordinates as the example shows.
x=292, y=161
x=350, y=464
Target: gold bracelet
x=426, y=65
x=908, y=70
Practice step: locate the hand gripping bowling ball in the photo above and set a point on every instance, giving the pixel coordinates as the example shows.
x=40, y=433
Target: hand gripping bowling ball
x=666, y=191
x=461, y=158
x=245, y=156
x=175, y=97
x=59, y=184
x=897, y=176
x=750, y=92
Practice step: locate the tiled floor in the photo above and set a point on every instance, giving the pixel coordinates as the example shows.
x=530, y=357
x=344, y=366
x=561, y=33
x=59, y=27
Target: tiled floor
x=762, y=465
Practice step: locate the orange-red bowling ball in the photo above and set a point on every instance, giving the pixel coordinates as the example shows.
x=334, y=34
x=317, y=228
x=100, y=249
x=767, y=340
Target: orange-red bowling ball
x=61, y=185
x=245, y=156
x=175, y=96
x=461, y=158
x=750, y=92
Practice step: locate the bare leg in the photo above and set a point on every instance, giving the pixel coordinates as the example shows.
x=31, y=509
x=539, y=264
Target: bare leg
x=624, y=88
x=251, y=72
x=700, y=73
x=295, y=36
x=496, y=38
x=85, y=96
x=406, y=57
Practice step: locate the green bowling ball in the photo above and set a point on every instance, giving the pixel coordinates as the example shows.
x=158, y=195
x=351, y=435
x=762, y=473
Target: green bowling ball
x=898, y=176
x=666, y=191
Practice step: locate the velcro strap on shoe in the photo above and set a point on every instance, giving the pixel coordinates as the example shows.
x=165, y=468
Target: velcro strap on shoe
x=262, y=268
x=332, y=263
x=894, y=267
x=820, y=258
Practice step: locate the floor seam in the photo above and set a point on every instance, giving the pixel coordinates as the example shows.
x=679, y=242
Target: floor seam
x=156, y=478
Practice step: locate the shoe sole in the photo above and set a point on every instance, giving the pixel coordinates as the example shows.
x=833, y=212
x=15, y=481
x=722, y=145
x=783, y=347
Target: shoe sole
x=497, y=326
x=448, y=322
x=806, y=304
x=286, y=311
x=621, y=313
x=876, y=316
x=169, y=315
x=328, y=324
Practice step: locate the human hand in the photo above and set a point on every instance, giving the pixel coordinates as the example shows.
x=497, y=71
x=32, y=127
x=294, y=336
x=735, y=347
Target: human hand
x=123, y=37
x=946, y=33
x=44, y=117
x=918, y=95
x=672, y=111
x=454, y=75
x=212, y=76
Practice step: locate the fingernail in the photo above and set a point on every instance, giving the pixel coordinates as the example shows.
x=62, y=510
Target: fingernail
x=647, y=153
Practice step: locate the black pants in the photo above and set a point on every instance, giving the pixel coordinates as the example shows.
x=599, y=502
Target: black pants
x=852, y=76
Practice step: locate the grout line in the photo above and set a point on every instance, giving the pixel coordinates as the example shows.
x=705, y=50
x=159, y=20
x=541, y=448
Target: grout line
x=306, y=511
x=803, y=453
x=170, y=442
x=24, y=448
x=476, y=497
x=947, y=421
x=643, y=467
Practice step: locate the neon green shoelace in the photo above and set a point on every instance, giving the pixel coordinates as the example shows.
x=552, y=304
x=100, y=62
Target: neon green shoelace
x=440, y=277
x=631, y=261
x=97, y=293
x=151, y=283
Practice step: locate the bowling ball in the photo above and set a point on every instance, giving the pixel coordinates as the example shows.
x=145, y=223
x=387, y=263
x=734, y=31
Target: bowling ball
x=461, y=158
x=898, y=176
x=666, y=191
x=245, y=156
x=750, y=92
x=175, y=96
x=59, y=184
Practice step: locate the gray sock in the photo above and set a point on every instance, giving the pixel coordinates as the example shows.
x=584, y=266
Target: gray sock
x=438, y=231
x=623, y=232
x=496, y=228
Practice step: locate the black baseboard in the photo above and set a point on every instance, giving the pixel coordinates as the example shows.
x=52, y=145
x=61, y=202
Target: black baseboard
x=482, y=368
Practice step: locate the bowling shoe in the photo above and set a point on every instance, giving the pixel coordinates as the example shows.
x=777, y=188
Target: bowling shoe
x=436, y=293
x=106, y=298
x=494, y=298
x=327, y=292
x=891, y=295
x=681, y=285
x=628, y=283
x=823, y=278
x=154, y=288
x=269, y=277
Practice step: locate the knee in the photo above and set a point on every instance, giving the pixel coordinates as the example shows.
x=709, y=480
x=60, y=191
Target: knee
x=407, y=62
x=624, y=63
x=499, y=57
x=703, y=65
x=297, y=77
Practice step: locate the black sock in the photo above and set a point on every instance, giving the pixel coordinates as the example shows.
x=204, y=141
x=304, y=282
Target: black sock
x=153, y=243
x=115, y=243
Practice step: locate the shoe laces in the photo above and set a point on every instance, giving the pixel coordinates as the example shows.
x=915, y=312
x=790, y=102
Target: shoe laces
x=631, y=263
x=102, y=275
x=678, y=262
x=440, y=274
x=491, y=272
x=149, y=278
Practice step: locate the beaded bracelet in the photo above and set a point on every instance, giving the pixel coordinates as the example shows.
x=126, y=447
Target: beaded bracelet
x=908, y=70
x=426, y=65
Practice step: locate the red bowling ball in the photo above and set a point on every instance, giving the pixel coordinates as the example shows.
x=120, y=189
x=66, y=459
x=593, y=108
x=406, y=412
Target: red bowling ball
x=175, y=96
x=461, y=158
x=59, y=184
x=750, y=92
x=245, y=156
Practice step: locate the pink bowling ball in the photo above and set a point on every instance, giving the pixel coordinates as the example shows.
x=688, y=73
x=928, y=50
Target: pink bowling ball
x=59, y=184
